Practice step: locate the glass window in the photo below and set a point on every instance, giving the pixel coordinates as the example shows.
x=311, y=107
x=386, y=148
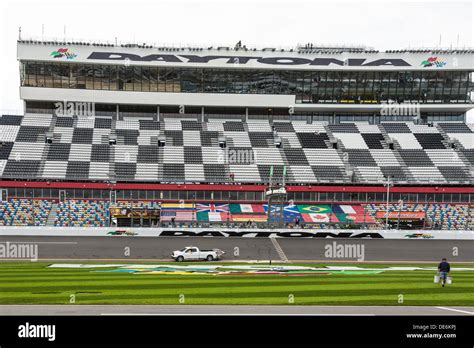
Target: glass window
x=174, y=195
x=106, y=77
x=98, y=76
x=113, y=77
x=146, y=79
x=137, y=78
x=153, y=77
x=162, y=77
x=250, y=196
x=30, y=74
x=81, y=76
x=73, y=76
x=232, y=195
x=126, y=78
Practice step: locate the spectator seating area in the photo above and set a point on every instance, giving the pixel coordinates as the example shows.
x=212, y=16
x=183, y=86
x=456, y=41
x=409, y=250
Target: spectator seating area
x=82, y=213
x=439, y=216
x=48, y=147
x=95, y=213
x=24, y=212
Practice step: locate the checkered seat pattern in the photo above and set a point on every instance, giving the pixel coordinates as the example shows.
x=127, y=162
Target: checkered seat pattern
x=131, y=150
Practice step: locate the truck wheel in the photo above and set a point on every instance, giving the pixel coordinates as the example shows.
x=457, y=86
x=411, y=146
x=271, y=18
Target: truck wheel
x=180, y=259
x=209, y=258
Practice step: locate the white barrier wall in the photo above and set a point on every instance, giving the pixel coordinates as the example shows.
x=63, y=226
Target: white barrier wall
x=234, y=233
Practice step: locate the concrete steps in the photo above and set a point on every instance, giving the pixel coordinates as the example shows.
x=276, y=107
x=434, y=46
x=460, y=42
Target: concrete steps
x=52, y=215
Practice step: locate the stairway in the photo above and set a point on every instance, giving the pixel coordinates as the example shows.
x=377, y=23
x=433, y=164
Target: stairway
x=387, y=139
x=446, y=139
x=342, y=154
x=403, y=165
x=52, y=215
x=112, y=150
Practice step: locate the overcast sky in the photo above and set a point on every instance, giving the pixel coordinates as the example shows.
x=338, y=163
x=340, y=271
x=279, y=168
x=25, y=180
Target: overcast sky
x=378, y=24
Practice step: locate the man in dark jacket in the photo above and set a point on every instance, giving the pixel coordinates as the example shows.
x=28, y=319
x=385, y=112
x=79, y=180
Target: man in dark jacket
x=443, y=269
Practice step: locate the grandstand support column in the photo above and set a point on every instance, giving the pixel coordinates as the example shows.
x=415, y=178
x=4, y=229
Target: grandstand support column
x=117, y=112
x=3, y=195
x=365, y=217
x=62, y=196
x=246, y=114
x=113, y=196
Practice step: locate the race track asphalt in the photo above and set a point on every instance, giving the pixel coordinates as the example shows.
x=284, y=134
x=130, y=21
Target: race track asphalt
x=206, y=310
x=245, y=249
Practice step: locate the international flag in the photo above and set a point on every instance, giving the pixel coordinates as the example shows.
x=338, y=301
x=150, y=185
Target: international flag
x=177, y=206
x=314, y=209
x=247, y=217
x=212, y=216
x=353, y=214
x=179, y=216
x=212, y=208
x=290, y=213
x=291, y=209
x=319, y=218
x=344, y=209
x=360, y=218
x=246, y=208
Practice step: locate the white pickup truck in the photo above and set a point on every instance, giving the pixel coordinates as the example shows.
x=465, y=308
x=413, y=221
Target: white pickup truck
x=192, y=253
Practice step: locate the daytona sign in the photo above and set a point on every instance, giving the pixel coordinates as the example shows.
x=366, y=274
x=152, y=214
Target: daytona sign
x=267, y=234
x=171, y=58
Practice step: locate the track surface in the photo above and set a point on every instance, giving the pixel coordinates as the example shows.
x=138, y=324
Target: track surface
x=243, y=249
x=228, y=310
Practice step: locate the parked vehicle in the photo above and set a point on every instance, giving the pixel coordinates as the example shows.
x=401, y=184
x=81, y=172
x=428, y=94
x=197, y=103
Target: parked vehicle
x=192, y=253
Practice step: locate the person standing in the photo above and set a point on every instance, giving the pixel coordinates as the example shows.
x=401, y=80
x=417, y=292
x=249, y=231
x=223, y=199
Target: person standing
x=444, y=269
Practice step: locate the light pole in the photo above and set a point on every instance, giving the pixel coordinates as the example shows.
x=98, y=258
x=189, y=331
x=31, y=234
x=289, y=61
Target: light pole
x=388, y=198
x=400, y=205
x=426, y=212
x=468, y=221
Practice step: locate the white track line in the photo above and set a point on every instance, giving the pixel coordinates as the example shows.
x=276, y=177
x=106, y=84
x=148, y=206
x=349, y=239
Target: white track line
x=20, y=242
x=236, y=314
x=455, y=310
x=279, y=250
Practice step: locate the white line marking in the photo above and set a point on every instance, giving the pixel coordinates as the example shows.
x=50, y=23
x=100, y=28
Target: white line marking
x=455, y=310
x=235, y=314
x=38, y=242
x=279, y=250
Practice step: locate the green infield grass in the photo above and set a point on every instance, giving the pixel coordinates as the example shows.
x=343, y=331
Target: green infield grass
x=34, y=283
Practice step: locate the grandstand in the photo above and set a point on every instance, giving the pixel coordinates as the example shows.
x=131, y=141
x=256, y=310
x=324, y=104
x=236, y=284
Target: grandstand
x=136, y=128
x=343, y=153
